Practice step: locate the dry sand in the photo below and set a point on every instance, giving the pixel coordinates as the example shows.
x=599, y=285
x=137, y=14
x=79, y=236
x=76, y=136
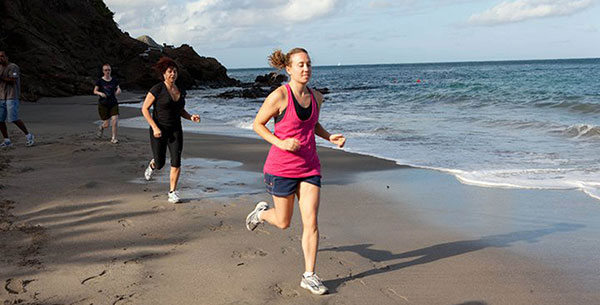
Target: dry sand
x=78, y=225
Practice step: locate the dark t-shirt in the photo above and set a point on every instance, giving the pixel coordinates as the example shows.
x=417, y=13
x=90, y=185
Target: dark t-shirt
x=108, y=88
x=167, y=112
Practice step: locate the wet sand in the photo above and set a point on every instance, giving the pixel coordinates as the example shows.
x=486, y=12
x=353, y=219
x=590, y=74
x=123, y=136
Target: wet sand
x=79, y=225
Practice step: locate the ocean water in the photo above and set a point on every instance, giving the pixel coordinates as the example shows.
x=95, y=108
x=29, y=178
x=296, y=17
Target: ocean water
x=511, y=124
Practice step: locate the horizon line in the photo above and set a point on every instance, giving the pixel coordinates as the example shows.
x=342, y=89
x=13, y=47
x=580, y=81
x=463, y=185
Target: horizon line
x=436, y=62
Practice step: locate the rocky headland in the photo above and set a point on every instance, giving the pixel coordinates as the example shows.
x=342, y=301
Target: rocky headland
x=60, y=46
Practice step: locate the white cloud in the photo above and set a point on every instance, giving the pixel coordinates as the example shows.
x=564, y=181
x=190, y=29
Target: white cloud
x=304, y=10
x=219, y=23
x=521, y=10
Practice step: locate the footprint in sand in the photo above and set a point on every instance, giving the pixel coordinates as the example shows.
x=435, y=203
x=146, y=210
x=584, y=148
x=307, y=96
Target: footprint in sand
x=138, y=259
x=123, y=299
x=93, y=277
x=14, y=286
x=248, y=253
x=341, y=262
x=220, y=227
x=125, y=222
x=392, y=294
x=284, y=290
x=289, y=250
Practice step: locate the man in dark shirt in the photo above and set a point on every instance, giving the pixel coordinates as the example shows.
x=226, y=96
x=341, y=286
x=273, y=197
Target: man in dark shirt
x=10, y=90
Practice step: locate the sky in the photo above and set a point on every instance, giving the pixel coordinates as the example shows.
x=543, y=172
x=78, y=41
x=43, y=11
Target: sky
x=242, y=33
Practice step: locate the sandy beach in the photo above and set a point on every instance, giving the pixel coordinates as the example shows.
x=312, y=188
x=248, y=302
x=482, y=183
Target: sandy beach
x=79, y=225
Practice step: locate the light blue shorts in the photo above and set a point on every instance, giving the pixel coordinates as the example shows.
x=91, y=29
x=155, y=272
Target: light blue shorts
x=9, y=109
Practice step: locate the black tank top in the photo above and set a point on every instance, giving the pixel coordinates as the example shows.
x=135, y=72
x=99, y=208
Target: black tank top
x=303, y=113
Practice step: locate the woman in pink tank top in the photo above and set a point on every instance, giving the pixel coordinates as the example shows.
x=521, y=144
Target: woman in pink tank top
x=292, y=168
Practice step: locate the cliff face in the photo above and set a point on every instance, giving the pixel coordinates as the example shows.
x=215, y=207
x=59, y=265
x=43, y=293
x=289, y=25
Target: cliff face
x=61, y=45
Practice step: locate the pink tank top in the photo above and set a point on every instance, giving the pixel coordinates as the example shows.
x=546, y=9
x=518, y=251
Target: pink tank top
x=301, y=163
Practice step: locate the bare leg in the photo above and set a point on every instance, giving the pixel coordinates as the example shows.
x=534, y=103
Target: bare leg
x=4, y=130
x=175, y=171
x=21, y=126
x=281, y=214
x=114, y=121
x=308, y=198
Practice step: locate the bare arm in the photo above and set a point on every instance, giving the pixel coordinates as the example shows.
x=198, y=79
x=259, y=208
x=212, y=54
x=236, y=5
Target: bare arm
x=96, y=92
x=146, y=112
x=337, y=139
x=192, y=117
x=270, y=108
x=118, y=91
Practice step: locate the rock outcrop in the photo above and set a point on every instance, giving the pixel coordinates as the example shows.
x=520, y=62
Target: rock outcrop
x=61, y=45
x=150, y=42
x=272, y=79
x=257, y=89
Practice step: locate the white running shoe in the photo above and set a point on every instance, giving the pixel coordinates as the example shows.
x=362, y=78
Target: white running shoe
x=99, y=132
x=29, y=140
x=174, y=197
x=252, y=220
x=6, y=144
x=149, y=171
x=114, y=141
x=314, y=284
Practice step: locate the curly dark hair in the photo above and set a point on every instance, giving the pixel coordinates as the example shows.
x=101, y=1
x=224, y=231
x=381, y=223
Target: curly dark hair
x=163, y=64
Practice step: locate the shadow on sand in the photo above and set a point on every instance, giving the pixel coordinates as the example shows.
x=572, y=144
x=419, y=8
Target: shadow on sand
x=440, y=251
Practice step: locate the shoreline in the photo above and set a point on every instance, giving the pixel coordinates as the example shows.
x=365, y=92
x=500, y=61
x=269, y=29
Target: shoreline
x=80, y=232
x=460, y=175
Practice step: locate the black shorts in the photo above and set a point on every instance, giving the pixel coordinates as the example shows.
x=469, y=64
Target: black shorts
x=171, y=138
x=283, y=187
x=106, y=112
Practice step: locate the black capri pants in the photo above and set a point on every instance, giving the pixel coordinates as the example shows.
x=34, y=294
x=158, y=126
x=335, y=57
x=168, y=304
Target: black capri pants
x=171, y=137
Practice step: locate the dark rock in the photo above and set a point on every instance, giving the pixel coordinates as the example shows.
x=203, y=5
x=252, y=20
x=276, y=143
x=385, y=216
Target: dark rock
x=252, y=93
x=60, y=46
x=272, y=79
x=323, y=90
x=255, y=92
x=204, y=71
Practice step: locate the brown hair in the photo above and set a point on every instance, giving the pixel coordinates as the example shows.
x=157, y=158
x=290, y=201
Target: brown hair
x=279, y=60
x=165, y=63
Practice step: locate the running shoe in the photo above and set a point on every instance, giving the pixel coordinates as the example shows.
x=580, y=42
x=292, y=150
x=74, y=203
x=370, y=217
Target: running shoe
x=149, y=171
x=252, y=220
x=174, y=197
x=6, y=144
x=313, y=284
x=99, y=132
x=29, y=140
x=114, y=141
